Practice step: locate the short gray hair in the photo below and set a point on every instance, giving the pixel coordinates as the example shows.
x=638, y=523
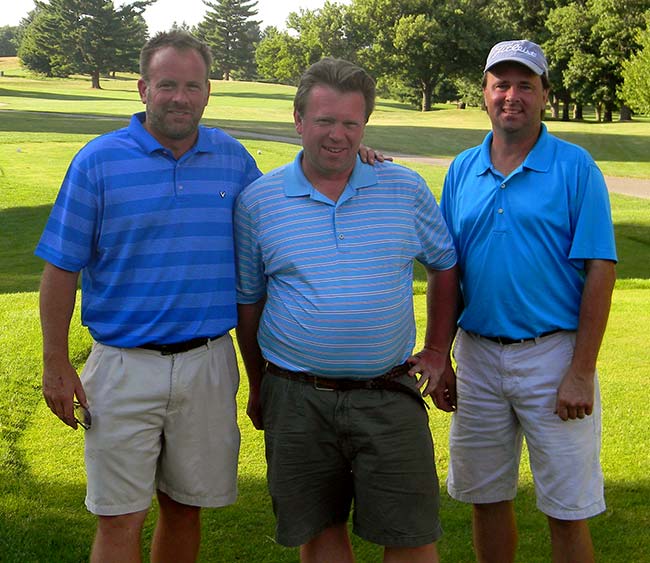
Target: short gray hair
x=179, y=40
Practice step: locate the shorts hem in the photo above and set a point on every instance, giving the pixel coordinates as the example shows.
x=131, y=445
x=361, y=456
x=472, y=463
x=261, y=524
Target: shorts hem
x=116, y=509
x=572, y=514
x=401, y=541
x=287, y=540
x=200, y=501
x=479, y=498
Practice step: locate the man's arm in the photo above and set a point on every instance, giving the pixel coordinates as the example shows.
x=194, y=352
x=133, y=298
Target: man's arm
x=247, y=325
x=575, y=396
x=442, y=312
x=60, y=380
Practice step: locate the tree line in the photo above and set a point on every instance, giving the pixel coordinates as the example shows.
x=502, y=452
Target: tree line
x=420, y=51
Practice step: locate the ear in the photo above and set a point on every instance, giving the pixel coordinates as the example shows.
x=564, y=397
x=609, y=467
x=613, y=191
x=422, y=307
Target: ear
x=207, y=94
x=142, y=89
x=297, y=119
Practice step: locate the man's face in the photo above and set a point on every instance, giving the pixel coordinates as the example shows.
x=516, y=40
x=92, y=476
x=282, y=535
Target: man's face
x=175, y=95
x=515, y=100
x=331, y=128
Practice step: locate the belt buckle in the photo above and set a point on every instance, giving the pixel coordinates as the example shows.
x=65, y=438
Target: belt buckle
x=319, y=388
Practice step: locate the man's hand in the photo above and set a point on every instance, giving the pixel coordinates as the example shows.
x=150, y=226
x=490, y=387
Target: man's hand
x=61, y=385
x=370, y=156
x=575, y=395
x=254, y=408
x=430, y=364
x=444, y=395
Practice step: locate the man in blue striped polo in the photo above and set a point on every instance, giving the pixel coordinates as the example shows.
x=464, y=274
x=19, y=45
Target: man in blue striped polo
x=325, y=249
x=145, y=213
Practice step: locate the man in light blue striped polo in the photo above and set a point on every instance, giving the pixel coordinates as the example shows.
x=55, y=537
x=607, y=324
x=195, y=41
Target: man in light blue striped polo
x=325, y=249
x=145, y=213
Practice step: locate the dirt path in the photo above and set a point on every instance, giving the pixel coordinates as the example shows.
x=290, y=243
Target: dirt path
x=637, y=187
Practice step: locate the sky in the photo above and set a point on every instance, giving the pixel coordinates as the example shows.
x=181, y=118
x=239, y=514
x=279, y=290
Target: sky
x=161, y=15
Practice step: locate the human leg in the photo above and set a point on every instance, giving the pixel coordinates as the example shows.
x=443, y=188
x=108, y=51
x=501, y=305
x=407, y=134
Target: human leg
x=309, y=477
x=571, y=541
x=422, y=554
x=198, y=462
x=396, y=489
x=332, y=544
x=495, y=532
x=117, y=539
x=178, y=532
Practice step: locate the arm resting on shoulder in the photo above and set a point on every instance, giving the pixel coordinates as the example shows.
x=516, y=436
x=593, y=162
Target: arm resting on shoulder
x=433, y=362
x=247, y=325
x=61, y=382
x=575, y=397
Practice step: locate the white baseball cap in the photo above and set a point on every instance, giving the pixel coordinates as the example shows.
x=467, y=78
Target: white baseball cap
x=519, y=51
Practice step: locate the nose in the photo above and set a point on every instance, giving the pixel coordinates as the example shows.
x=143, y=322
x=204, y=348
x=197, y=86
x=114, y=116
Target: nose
x=180, y=96
x=336, y=130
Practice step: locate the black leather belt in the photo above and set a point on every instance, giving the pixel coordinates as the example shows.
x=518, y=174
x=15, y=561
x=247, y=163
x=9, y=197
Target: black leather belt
x=384, y=381
x=178, y=347
x=505, y=341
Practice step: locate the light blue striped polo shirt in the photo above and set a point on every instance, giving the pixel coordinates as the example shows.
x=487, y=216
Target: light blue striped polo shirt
x=338, y=276
x=152, y=235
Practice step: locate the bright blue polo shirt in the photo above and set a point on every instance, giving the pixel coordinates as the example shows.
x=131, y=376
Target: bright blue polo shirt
x=522, y=240
x=338, y=276
x=152, y=235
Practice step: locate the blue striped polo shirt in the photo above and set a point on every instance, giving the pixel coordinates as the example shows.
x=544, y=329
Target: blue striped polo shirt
x=152, y=235
x=338, y=276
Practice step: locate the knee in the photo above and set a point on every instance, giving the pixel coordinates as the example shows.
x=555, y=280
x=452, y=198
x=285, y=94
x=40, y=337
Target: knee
x=173, y=510
x=122, y=524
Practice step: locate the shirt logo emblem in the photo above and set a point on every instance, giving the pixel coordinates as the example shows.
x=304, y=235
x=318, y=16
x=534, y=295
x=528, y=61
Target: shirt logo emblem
x=222, y=194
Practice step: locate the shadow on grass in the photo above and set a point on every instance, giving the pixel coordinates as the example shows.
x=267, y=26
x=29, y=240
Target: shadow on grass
x=42, y=95
x=632, y=245
x=252, y=95
x=389, y=138
x=43, y=122
x=20, y=230
x=21, y=227
x=48, y=522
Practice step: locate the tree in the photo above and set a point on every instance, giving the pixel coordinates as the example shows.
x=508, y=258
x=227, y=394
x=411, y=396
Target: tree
x=8, y=46
x=425, y=43
x=635, y=89
x=232, y=36
x=280, y=57
x=83, y=36
x=324, y=32
x=590, y=39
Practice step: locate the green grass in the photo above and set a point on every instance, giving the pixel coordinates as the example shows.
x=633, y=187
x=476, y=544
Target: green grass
x=621, y=149
x=42, y=517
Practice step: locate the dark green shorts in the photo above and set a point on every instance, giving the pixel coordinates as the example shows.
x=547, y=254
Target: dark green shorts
x=326, y=449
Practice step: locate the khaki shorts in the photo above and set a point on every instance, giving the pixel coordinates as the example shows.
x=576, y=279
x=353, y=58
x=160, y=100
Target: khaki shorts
x=329, y=449
x=506, y=393
x=161, y=422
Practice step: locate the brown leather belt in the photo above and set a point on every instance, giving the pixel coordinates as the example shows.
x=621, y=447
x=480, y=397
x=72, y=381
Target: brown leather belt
x=385, y=381
x=178, y=347
x=505, y=341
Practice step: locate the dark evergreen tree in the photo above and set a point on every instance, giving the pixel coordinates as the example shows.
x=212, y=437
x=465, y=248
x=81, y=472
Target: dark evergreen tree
x=232, y=34
x=8, y=45
x=83, y=36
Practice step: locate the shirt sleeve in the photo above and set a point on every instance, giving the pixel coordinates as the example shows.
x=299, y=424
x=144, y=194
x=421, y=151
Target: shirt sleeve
x=68, y=238
x=251, y=280
x=438, y=251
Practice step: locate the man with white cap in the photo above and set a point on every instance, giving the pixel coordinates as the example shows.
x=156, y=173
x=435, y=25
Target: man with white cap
x=530, y=218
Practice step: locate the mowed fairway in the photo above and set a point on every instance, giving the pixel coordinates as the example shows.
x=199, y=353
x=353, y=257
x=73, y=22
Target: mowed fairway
x=42, y=516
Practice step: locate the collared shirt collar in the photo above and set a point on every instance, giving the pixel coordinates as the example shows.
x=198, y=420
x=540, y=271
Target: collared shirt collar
x=150, y=144
x=538, y=158
x=298, y=185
